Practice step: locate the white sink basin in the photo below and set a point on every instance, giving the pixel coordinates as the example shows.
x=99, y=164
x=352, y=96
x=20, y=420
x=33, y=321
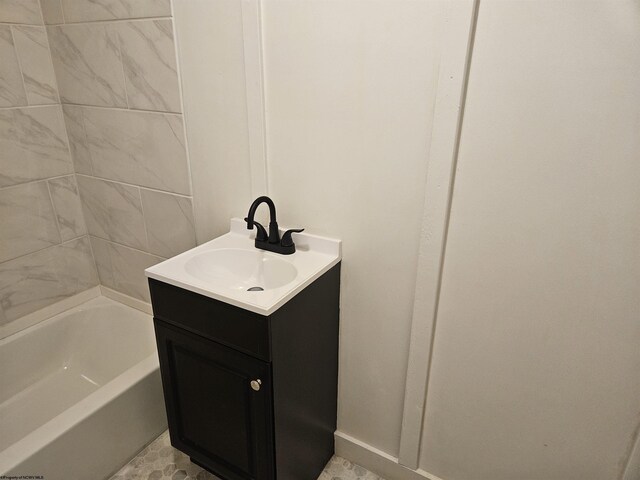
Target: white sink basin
x=230, y=269
x=239, y=269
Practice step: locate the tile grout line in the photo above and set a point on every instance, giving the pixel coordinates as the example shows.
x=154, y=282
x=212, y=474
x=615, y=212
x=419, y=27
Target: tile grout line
x=64, y=17
x=105, y=179
x=112, y=20
x=93, y=255
x=30, y=107
x=144, y=220
x=103, y=107
x=35, y=105
x=85, y=142
x=66, y=132
x=55, y=210
x=75, y=175
x=45, y=179
x=84, y=105
x=46, y=248
x=20, y=24
x=41, y=12
x=108, y=240
x=86, y=22
x=55, y=76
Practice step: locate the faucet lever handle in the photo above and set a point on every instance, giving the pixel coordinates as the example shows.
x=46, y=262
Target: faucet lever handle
x=261, y=232
x=287, y=241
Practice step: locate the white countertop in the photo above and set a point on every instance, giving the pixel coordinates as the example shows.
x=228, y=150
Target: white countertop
x=314, y=256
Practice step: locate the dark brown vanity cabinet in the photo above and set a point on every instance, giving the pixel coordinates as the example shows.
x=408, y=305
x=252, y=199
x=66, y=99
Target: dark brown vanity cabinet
x=250, y=396
x=214, y=415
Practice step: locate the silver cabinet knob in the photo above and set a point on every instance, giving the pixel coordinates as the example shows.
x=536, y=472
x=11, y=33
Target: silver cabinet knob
x=255, y=384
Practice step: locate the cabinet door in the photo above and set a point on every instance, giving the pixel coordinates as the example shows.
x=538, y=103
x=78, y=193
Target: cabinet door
x=215, y=414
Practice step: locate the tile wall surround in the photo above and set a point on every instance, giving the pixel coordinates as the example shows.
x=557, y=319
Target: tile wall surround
x=26, y=70
x=116, y=67
x=47, y=276
x=93, y=164
x=45, y=252
x=20, y=11
x=33, y=143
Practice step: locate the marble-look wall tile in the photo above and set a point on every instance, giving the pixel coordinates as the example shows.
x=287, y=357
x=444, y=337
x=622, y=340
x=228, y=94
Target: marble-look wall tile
x=74, y=265
x=86, y=59
x=102, y=257
x=20, y=11
x=113, y=211
x=37, y=70
x=149, y=60
x=74, y=120
x=34, y=281
x=28, y=284
x=142, y=148
x=128, y=270
x=76, y=11
x=66, y=202
x=122, y=268
x=52, y=11
x=169, y=222
x=32, y=145
x=28, y=220
x=11, y=88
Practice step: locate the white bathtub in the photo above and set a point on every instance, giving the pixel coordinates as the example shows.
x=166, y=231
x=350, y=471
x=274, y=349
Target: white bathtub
x=80, y=393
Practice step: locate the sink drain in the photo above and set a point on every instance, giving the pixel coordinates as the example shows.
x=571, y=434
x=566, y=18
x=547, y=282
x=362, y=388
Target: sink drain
x=255, y=289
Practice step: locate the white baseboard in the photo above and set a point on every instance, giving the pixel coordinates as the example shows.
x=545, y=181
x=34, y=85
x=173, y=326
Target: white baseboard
x=376, y=460
x=126, y=300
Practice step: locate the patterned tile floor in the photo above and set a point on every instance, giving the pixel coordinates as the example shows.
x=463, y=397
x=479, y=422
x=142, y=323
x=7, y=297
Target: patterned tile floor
x=160, y=461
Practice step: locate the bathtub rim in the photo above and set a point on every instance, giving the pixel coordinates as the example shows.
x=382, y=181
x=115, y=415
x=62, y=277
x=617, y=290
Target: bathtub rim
x=38, y=439
x=20, y=451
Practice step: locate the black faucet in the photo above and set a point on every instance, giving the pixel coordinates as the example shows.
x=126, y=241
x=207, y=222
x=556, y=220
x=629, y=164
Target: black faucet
x=271, y=242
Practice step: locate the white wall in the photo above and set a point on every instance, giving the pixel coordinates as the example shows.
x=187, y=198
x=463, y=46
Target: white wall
x=211, y=60
x=534, y=358
x=536, y=363
x=349, y=89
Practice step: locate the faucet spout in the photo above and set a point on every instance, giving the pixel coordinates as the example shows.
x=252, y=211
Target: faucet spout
x=271, y=242
x=274, y=233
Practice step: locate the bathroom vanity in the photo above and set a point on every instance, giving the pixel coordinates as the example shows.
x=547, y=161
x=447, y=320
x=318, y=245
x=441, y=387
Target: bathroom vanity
x=249, y=375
